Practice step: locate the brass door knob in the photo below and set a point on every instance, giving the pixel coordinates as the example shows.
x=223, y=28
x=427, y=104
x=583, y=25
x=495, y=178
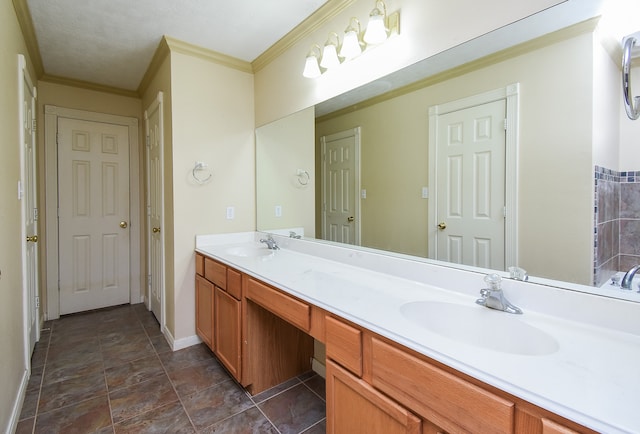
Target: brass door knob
x=350, y=219
x=442, y=226
x=155, y=230
x=33, y=238
x=123, y=224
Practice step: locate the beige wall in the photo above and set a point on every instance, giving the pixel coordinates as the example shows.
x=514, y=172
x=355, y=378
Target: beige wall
x=426, y=29
x=13, y=362
x=555, y=152
x=283, y=147
x=213, y=122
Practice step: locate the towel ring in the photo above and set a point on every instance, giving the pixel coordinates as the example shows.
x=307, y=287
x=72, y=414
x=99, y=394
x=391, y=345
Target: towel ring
x=631, y=103
x=303, y=177
x=201, y=167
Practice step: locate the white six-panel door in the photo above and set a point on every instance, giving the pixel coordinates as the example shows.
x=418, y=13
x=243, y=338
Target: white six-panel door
x=93, y=201
x=471, y=186
x=340, y=186
x=153, y=120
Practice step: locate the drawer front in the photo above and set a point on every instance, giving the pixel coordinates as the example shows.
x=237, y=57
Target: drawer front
x=215, y=272
x=437, y=395
x=199, y=264
x=344, y=345
x=286, y=307
x=234, y=283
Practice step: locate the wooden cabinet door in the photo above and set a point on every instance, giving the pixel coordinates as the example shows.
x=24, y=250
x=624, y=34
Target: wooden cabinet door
x=354, y=407
x=204, y=310
x=227, y=331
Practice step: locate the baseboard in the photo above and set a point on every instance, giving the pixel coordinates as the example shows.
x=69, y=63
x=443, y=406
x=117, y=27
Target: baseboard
x=179, y=344
x=17, y=404
x=319, y=368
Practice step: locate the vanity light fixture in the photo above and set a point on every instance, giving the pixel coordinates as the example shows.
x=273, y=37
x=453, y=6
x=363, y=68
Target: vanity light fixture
x=377, y=31
x=351, y=45
x=330, y=52
x=311, y=66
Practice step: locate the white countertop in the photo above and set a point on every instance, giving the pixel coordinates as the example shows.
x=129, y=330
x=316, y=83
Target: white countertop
x=593, y=378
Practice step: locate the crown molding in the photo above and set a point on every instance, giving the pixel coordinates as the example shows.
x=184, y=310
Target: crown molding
x=29, y=34
x=182, y=47
x=508, y=53
x=327, y=11
x=88, y=85
x=161, y=53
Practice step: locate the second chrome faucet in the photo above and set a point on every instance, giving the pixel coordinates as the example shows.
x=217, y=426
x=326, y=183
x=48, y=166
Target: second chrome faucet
x=493, y=297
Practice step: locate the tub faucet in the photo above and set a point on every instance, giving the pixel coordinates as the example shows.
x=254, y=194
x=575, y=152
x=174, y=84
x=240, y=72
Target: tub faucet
x=493, y=297
x=270, y=242
x=628, y=277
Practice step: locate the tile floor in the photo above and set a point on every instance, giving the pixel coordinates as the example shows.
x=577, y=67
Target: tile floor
x=112, y=371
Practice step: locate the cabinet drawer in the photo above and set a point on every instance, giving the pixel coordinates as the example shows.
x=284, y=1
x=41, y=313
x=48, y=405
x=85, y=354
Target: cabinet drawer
x=234, y=283
x=286, y=307
x=199, y=264
x=344, y=345
x=438, y=395
x=215, y=272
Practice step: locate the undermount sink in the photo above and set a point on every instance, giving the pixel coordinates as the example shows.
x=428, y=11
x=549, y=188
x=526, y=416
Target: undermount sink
x=249, y=251
x=481, y=327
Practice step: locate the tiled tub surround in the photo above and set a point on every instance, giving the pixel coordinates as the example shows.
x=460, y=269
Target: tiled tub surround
x=592, y=379
x=617, y=222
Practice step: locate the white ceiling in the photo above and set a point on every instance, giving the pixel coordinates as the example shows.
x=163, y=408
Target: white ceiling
x=111, y=42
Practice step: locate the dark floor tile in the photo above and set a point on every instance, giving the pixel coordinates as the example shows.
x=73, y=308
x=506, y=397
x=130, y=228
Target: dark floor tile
x=25, y=426
x=141, y=398
x=86, y=344
x=269, y=393
x=30, y=404
x=295, y=410
x=185, y=357
x=125, y=353
x=85, y=417
x=216, y=404
x=62, y=372
x=170, y=419
x=39, y=355
x=152, y=328
x=319, y=428
x=197, y=377
x=71, y=361
x=250, y=421
x=122, y=337
x=160, y=343
x=318, y=385
x=134, y=372
x=63, y=393
x=35, y=380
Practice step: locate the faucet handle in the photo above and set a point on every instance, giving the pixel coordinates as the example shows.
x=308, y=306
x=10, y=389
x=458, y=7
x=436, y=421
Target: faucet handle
x=494, y=281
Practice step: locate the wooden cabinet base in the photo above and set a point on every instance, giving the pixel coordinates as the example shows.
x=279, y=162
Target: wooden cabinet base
x=275, y=351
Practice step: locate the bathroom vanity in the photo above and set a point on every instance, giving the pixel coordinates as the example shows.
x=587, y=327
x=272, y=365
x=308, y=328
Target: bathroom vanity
x=407, y=348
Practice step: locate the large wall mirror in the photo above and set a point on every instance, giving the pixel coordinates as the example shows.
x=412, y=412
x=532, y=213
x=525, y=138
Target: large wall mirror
x=571, y=208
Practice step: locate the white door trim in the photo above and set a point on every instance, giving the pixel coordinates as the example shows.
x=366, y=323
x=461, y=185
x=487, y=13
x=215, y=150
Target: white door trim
x=510, y=94
x=51, y=114
x=357, y=184
x=157, y=104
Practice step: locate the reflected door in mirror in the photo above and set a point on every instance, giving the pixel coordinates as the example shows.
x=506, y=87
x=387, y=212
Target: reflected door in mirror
x=471, y=186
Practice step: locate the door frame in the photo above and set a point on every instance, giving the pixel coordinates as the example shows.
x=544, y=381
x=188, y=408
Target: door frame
x=510, y=94
x=30, y=306
x=51, y=115
x=157, y=104
x=357, y=183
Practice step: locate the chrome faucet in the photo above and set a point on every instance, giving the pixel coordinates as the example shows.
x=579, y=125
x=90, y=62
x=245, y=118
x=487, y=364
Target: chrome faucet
x=270, y=242
x=628, y=277
x=292, y=234
x=493, y=297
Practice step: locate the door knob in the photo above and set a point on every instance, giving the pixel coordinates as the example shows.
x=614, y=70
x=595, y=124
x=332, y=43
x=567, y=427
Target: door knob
x=442, y=226
x=123, y=224
x=155, y=230
x=33, y=238
x=350, y=219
